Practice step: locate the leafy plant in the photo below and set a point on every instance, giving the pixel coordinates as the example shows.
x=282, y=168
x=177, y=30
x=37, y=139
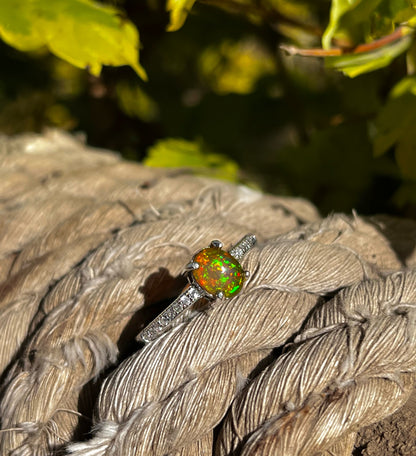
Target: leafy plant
x=395, y=126
x=84, y=33
x=309, y=98
x=178, y=153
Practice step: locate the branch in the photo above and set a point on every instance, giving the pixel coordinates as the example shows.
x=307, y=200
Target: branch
x=359, y=49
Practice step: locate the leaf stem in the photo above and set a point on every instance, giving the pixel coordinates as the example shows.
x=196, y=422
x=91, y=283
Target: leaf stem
x=399, y=33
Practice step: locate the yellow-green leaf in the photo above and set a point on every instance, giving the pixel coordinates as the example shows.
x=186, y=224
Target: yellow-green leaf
x=86, y=34
x=179, y=153
x=135, y=102
x=178, y=10
x=405, y=85
x=354, y=22
x=353, y=65
x=339, y=9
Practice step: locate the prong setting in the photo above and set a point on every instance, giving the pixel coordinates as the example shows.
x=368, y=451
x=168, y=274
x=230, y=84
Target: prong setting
x=213, y=274
x=216, y=244
x=192, y=266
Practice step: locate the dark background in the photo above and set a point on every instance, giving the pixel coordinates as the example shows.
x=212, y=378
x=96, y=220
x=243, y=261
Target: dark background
x=222, y=82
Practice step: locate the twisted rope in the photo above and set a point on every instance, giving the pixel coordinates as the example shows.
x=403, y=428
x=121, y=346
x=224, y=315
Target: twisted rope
x=320, y=343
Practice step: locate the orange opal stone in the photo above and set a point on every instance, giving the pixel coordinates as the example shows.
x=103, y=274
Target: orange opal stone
x=218, y=272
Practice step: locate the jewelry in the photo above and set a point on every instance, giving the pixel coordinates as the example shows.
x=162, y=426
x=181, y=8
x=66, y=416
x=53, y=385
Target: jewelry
x=213, y=273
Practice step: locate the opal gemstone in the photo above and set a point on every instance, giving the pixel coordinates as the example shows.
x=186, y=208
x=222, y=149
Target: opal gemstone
x=218, y=272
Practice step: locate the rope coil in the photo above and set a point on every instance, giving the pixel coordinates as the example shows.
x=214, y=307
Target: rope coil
x=320, y=343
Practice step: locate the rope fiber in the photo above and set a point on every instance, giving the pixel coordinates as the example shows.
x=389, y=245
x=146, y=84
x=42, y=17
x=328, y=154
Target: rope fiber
x=319, y=345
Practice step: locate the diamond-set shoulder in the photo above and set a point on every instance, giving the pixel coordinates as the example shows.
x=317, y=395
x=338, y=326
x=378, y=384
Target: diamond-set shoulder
x=213, y=273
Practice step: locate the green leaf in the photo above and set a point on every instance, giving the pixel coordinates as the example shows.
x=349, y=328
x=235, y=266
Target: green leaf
x=391, y=123
x=395, y=126
x=16, y=26
x=345, y=18
x=358, y=21
x=135, y=102
x=353, y=65
x=178, y=10
x=405, y=85
x=179, y=153
x=86, y=34
x=402, y=10
x=396, y=117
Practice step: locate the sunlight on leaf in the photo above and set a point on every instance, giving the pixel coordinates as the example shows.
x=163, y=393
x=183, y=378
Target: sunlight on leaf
x=353, y=65
x=86, y=34
x=406, y=85
x=179, y=153
x=338, y=9
x=354, y=22
x=178, y=10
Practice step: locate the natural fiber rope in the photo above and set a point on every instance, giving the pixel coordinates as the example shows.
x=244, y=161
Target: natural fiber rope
x=88, y=253
x=362, y=350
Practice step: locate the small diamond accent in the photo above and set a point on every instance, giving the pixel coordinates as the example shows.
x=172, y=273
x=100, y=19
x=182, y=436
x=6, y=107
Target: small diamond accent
x=177, y=307
x=196, y=290
x=237, y=253
x=185, y=301
x=242, y=247
x=149, y=334
x=170, y=313
x=163, y=320
x=194, y=294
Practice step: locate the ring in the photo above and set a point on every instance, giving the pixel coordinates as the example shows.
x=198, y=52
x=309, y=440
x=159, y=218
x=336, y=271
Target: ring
x=213, y=273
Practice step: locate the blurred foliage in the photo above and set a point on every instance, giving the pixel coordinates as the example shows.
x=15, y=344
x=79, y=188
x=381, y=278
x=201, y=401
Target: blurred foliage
x=353, y=65
x=299, y=97
x=359, y=21
x=395, y=125
x=178, y=153
x=235, y=67
x=84, y=33
x=178, y=10
x=135, y=102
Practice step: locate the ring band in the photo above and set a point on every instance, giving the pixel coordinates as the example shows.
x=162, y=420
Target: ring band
x=213, y=273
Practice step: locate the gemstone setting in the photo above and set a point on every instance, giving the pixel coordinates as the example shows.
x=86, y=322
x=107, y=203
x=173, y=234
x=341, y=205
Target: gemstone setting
x=218, y=272
x=213, y=273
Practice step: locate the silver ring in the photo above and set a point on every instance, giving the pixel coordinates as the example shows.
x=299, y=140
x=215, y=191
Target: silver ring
x=213, y=273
